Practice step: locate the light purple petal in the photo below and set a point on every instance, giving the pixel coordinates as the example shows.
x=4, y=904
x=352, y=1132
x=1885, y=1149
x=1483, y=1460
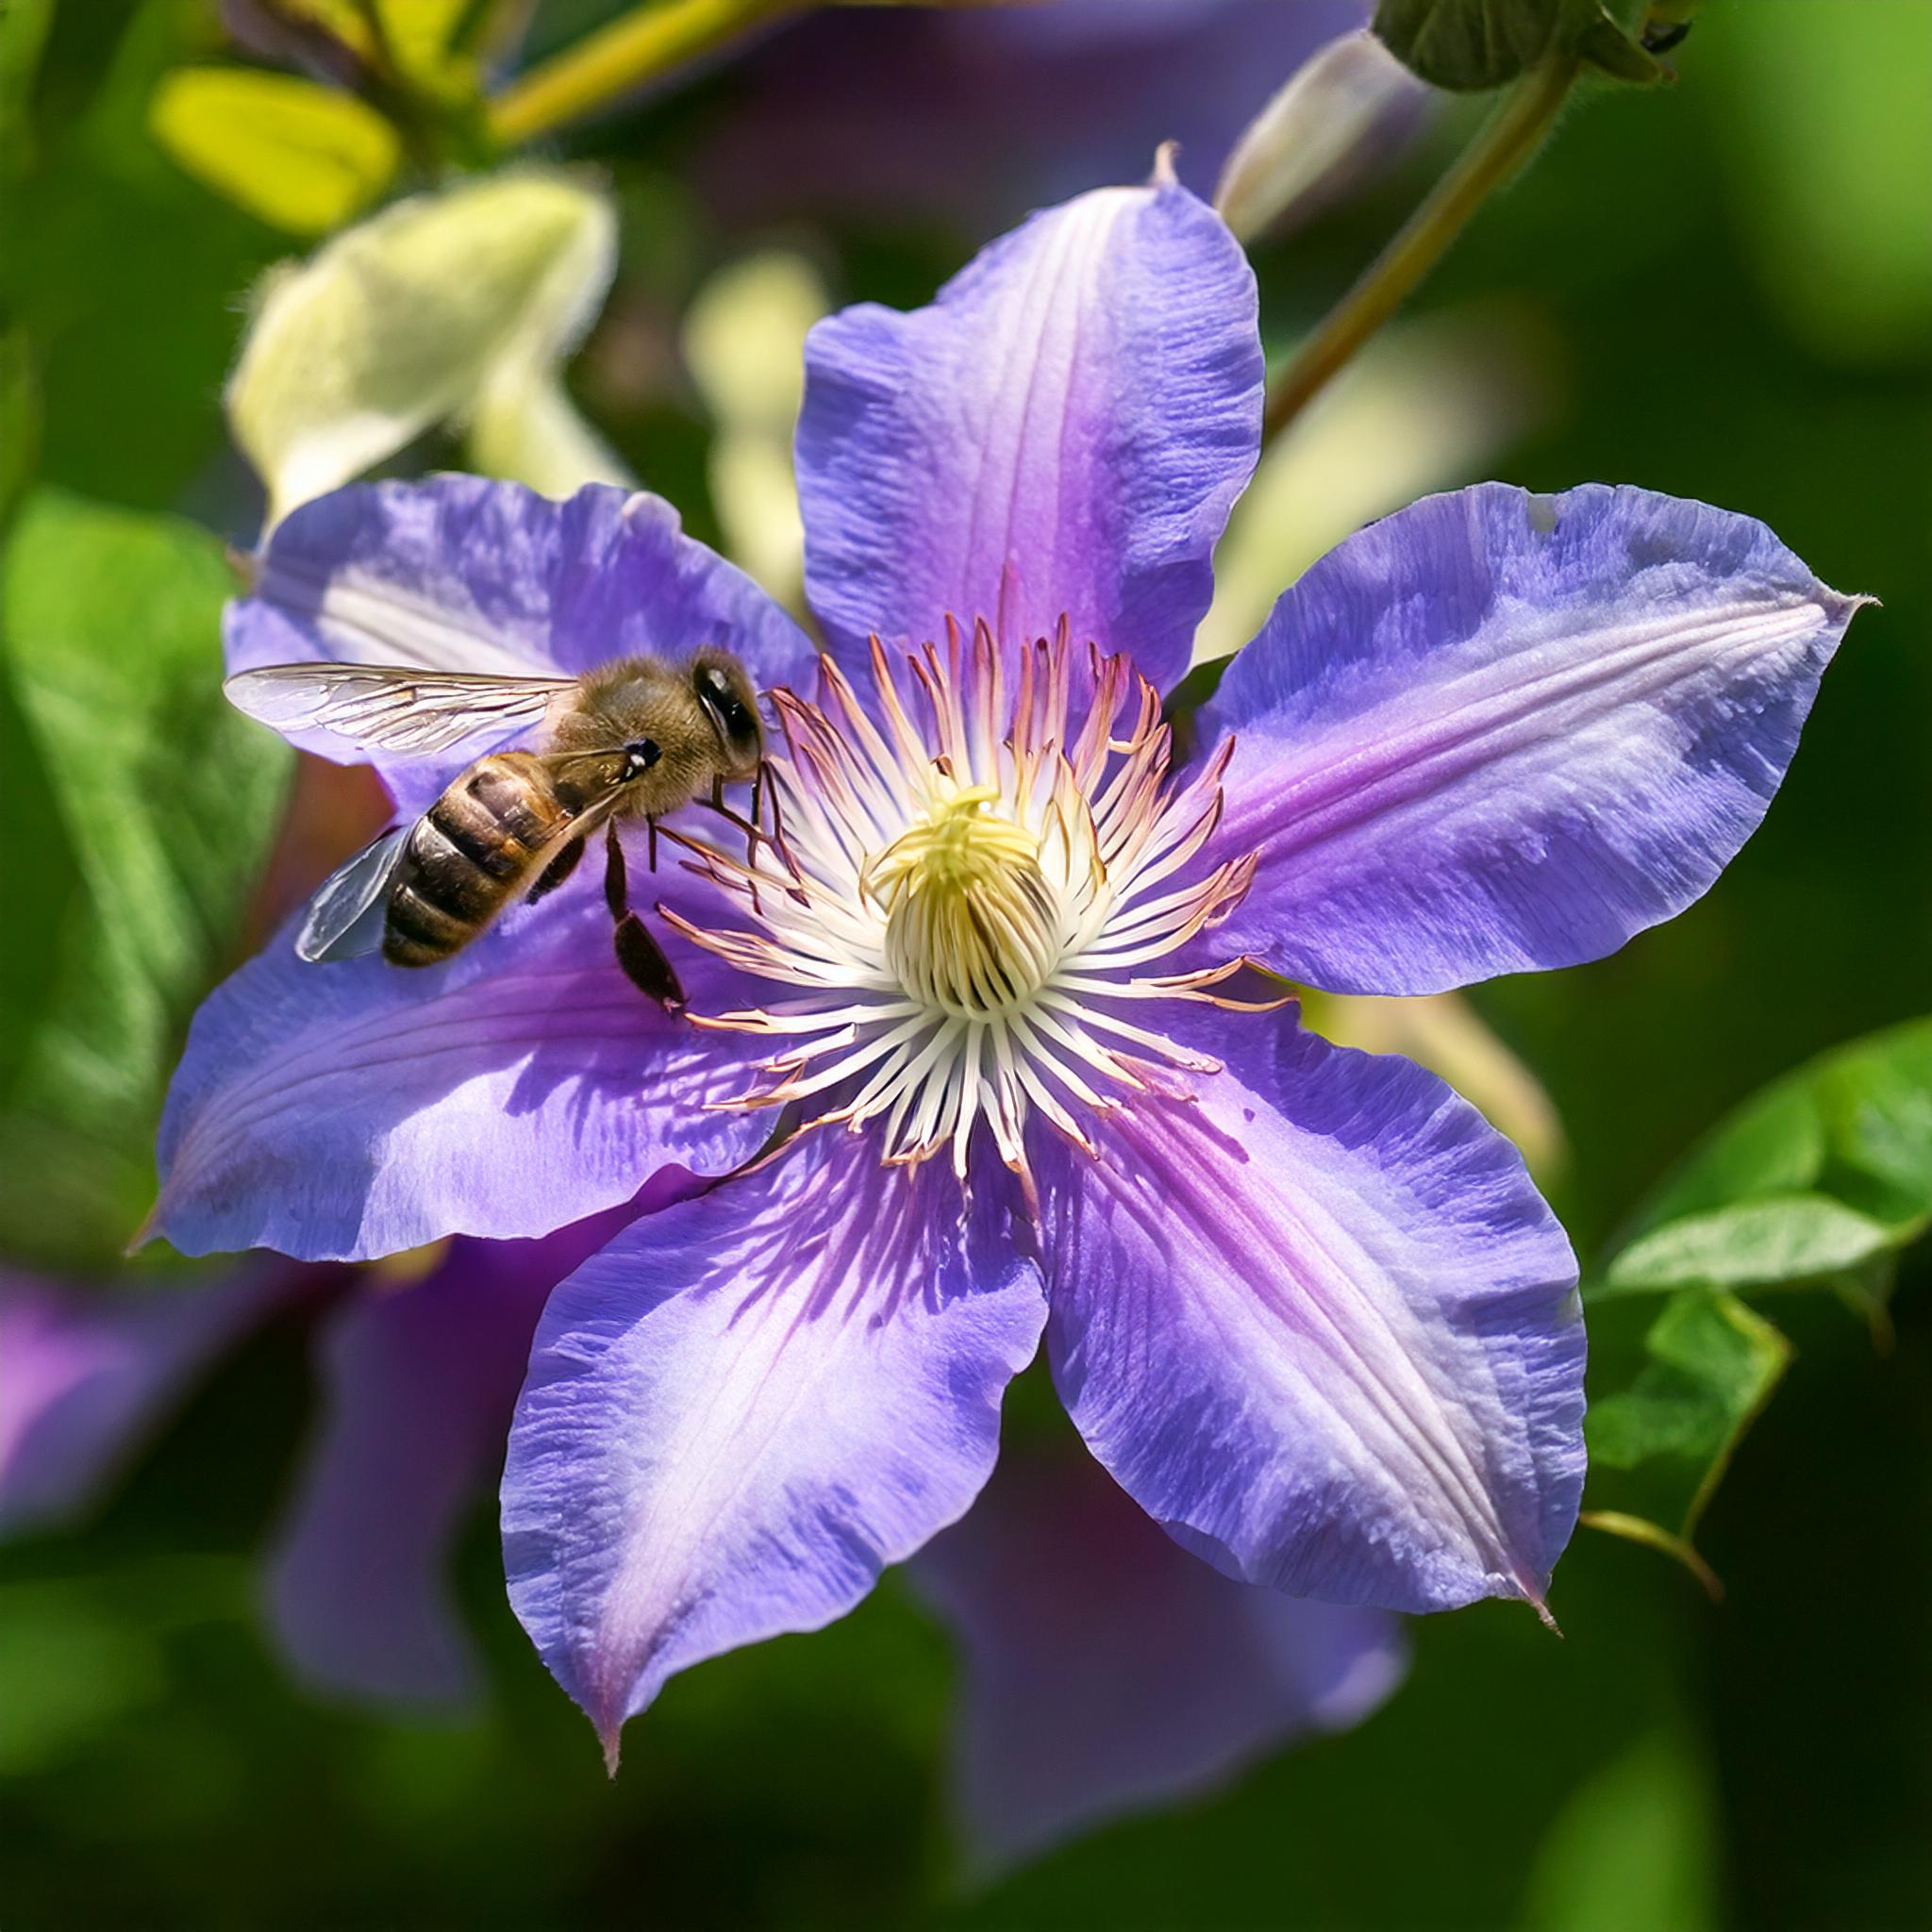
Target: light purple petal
x=420, y=1380
x=86, y=1373
x=747, y=1406
x=355, y=1109
x=1063, y=431
x=467, y=574
x=1498, y=731
x=1109, y=1672
x=1318, y=1323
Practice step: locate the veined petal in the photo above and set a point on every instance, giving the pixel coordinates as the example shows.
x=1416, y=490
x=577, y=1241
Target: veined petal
x=1063, y=431
x=355, y=1109
x=462, y=574
x=1498, y=731
x=1321, y=1328
x=1109, y=1672
x=87, y=1372
x=747, y=1406
x=420, y=1377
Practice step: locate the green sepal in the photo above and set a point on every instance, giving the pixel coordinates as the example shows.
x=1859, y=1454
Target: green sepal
x=1467, y=47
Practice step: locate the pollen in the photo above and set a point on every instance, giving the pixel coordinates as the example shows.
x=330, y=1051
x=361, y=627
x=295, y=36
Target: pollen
x=973, y=927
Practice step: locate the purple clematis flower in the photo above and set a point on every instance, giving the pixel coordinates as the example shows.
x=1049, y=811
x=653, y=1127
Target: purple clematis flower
x=1107, y=1672
x=989, y=110
x=971, y=1059
x=87, y=1372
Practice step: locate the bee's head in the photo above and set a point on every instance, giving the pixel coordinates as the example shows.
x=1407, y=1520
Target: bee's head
x=722, y=687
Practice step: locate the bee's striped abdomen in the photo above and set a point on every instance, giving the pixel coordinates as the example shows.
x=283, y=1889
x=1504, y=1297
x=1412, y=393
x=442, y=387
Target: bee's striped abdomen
x=466, y=857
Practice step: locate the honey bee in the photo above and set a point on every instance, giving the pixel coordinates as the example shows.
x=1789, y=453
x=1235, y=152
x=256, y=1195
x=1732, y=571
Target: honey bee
x=637, y=738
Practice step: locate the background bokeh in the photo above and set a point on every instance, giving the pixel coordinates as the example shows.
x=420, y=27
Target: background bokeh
x=1722, y=289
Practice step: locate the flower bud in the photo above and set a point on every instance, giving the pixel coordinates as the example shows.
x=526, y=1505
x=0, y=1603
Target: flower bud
x=457, y=306
x=1468, y=45
x=1338, y=115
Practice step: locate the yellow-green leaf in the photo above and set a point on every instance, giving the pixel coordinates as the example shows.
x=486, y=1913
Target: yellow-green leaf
x=302, y=156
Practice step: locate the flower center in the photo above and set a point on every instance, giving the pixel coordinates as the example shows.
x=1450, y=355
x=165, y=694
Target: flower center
x=974, y=902
x=971, y=925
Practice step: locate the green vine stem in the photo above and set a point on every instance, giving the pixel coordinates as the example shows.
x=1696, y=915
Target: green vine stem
x=636, y=47
x=1508, y=139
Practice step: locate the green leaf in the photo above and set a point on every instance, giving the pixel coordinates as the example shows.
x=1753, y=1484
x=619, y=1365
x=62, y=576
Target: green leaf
x=1660, y=1447
x=1468, y=45
x=302, y=156
x=1834, y=1160
x=159, y=803
x=1817, y=1182
x=1788, y=1240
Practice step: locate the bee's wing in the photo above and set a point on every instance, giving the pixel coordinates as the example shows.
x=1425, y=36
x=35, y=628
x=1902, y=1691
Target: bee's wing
x=345, y=916
x=415, y=712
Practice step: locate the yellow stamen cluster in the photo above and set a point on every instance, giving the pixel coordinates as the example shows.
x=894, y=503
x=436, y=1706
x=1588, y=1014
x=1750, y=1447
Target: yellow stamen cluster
x=971, y=925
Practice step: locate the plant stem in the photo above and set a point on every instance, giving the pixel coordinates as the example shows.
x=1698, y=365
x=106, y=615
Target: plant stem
x=1507, y=140
x=636, y=47
x=1639, y=1529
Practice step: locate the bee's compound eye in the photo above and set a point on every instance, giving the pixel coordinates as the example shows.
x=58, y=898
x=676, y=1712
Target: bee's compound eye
x=718, y=695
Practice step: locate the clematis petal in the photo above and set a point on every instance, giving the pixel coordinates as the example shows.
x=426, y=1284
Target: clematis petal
x=1318, y=1323
x=421, y=1379
x=1498, y=731
x=86, y=1372
x=747, y=1406
x=1107, y=1672
x=355, y=1109
x=462, y=574
x=1063, y=431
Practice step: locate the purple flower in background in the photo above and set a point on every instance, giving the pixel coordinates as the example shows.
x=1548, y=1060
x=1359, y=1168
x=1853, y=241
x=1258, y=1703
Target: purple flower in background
x=988, y=112
x=86, y=1372
x=419, y=1378
x=1107, y=1672
x=1301, y=1302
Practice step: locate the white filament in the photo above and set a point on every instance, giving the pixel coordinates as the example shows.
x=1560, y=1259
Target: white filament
x=964, y=903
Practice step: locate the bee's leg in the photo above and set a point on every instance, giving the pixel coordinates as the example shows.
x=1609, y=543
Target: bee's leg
x=639, y=955
x=556, y=871
x=776, y=840
x=651, y=848
x=749, y=827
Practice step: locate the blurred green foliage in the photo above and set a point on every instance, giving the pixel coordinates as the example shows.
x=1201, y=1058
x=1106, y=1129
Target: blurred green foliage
x=165, y=803
x=1738, y=271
